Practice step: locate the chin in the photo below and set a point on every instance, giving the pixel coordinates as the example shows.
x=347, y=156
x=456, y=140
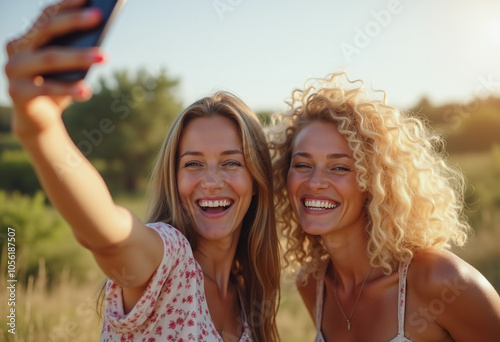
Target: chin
x=314, y=229
x=214, y=233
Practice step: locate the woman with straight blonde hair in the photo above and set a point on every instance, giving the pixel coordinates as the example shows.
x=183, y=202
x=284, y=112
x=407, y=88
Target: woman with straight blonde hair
x=255, y=267
x=205, y=266
x=369, y=207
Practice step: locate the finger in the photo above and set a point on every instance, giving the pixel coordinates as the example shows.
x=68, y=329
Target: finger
x=53, y=11
x=64, y=5
x=54, y=24
x=23, y=90
x=67, y=22
x=50, y=60
x=16, y=45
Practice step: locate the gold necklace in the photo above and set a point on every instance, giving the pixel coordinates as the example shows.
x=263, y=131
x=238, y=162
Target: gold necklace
x=348, y=319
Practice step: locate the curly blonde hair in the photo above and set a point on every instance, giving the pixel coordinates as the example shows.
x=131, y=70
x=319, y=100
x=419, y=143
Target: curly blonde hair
x=415, y=200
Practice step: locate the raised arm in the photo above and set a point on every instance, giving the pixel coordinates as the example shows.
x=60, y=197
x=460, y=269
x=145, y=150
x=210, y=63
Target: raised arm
x=125, y=249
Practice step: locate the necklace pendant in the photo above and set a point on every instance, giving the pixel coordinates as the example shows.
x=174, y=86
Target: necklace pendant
x=348, y=325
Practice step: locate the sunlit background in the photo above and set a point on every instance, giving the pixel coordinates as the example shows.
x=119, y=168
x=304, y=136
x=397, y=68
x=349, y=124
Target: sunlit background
x=439, y=58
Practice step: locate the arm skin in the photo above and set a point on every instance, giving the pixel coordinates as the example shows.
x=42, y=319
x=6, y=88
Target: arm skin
x=126, y=250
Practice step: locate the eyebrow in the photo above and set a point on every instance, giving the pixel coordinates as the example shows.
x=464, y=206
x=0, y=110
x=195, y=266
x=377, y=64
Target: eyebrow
x=328, y=156
x=223, y=153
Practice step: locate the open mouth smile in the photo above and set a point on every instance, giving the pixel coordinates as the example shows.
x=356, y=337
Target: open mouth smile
x=319, y=204
x=215, y=206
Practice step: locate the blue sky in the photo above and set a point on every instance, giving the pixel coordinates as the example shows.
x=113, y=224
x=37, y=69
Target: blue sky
x=448, y=50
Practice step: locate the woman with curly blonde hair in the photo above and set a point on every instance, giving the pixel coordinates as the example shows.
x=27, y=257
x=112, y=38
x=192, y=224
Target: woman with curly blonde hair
x=369, y=208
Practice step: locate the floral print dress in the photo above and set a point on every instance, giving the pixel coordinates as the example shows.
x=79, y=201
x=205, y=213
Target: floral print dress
x=173, y=307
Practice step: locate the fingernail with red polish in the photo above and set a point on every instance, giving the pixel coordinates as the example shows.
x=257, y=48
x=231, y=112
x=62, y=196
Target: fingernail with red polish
x=82, y=93
x=92, y=13
x=98, y=57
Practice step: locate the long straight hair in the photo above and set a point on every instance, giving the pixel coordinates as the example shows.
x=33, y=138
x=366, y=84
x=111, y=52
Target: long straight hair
x=256, y=264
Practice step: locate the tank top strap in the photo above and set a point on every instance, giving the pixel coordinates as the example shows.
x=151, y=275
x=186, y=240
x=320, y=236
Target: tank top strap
x=320, y=287
x=242, y=304
x=403, y=271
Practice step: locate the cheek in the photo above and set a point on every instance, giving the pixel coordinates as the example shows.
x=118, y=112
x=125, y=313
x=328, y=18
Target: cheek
x=292, y=183
x=185, y=184
x=242, y=183
x=351, y=190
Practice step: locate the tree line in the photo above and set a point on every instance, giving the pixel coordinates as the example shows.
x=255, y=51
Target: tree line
x=120, y=129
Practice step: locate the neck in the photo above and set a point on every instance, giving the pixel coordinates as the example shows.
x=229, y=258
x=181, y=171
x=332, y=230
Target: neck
x=216, y=260
x=348, y=252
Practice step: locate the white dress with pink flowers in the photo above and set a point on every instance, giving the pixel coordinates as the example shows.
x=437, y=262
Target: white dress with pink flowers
x=173, y=307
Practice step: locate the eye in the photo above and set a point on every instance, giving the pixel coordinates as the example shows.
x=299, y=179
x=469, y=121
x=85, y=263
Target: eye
x=192, y=164
x=301, y=166
x=231, y=164
x=341, y=169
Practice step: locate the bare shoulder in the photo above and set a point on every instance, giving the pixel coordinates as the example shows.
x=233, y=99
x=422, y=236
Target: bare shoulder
x=431, y=269
x=468, y=305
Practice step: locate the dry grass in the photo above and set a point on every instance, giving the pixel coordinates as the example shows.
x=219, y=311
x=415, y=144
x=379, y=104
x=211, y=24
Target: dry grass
x=294, y=322
x=65, y=311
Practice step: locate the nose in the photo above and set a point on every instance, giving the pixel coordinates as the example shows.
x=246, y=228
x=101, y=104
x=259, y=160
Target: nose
x=317, y=181
x=212, y=179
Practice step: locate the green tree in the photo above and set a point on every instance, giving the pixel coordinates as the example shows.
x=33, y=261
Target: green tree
x=5, y=113
x=265, y=117
x=478, y=128
x=40, y=233
x=17, y=172
x=122, y=126
x=467, y=127
x=425, y=107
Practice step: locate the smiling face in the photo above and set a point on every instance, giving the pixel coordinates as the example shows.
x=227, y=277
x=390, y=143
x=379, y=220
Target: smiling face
x=321, y=182
x=214, y=184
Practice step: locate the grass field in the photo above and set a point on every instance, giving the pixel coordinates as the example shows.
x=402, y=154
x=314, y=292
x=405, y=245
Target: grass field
x=67, y=313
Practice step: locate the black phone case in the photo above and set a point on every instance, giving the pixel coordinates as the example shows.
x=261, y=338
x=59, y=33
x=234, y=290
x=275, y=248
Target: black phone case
x=94, y=37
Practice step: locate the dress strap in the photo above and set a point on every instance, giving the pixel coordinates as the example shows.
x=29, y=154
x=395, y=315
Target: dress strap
x=242, y=304
x=320, y=287
x=403, y=271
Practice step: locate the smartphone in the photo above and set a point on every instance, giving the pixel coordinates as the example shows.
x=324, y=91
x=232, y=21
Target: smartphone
x=89, y=38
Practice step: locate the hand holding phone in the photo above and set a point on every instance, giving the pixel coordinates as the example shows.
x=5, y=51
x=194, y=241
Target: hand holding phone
x=88, y=38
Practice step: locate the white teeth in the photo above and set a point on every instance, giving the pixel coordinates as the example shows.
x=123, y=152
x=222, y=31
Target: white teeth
x=312, y=204
x=214, y=204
